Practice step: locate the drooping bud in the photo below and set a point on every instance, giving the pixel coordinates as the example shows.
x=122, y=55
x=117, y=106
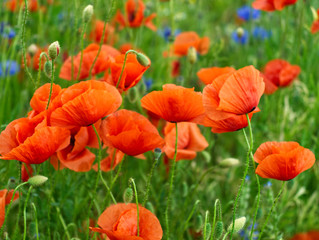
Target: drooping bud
x=208, y=230
x=219, y=229
x=229, y=162
x=54, y=50
x=239, y=224
x=48, y=69
x=32, y=49
x=192, y=55
x=132, y=95
x=87, y=13
x=240, y=32
x=198, y=223
x=128, y=195
x=37, y=180
x=157, y=153
x=143, y=60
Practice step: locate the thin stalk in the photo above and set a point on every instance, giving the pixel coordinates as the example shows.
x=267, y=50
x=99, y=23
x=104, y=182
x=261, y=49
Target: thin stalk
x=63, y=223
x=9, y=207
x=205, y=225
x=136, y=200
x=272, y=208
x=148, y=184
x=224, y=238
x=40, y=66
x=168, y=206
x=51, y=86
x=25, y=213
x=36, y=220
x=82, y=46
x=120, y=78
x=217, y=215
x=26, y=69
x=190, y=215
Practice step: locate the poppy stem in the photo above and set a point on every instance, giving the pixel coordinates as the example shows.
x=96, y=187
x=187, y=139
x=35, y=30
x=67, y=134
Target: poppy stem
x=272, y=208
x=108, y=17
x=26, y=69
x=9, y=207
x=190, y=216
x=148, y=184
x=168, y=206
x=40, y=67
x=136, y=200
x=25, y=213
x=36, y=220
x=120, y=78
x=82, y=46
x=205, y=225
x=217, y=215
x=51, y=86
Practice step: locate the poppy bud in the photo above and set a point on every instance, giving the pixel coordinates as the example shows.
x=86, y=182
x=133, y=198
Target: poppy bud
x=192, y=55
x=198, y=223
x=132, y=95
x=128, y=195
x=54, y=50
x=143, y=60
x=157, y=153
x=208, y=230
x=87, y=13
x=314, y=13
x=219, y=229
x=229, y=162
x=32, y=49
x=150, y=207
x=48, y=69
x=239, y=224
x=240, y=32
x=37, y=181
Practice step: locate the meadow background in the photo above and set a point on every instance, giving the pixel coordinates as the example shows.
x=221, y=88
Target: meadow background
x=290, y=114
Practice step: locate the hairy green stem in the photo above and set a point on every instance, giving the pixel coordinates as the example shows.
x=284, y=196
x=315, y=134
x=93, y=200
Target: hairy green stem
x=136, y=201
x=36, y=220
x=217, y=215
x=168, y=205
x=148, y=184
x=205, y=225
x=51, y=86
x=120, y=78
x=25, y=213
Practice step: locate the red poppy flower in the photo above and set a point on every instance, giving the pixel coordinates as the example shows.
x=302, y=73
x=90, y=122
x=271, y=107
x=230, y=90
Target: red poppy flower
x=5, y=199
x=315, y=24
x=111, y=161
x=282, y=160
x=190, y=140
x=135, y=16
x=31, y=141
x=176, y=67
x=97, y=32
x=26, y=172
x=279, y=73
x=272, y=5
x=33, y=59
x=130, y=132
x=132, y=74
x=119, y=222
x=312, y=235
x=76, y=156
x=14, y=5
x=107, y=54
x=208, y=75
x=40, y=97
x=84, y=103
x=185, y=40
x=174, y=103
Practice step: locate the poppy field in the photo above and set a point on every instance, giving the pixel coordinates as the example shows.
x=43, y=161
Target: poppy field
x=159, y=119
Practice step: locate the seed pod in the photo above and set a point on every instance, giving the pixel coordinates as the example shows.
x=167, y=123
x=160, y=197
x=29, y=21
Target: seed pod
x=37, y=180
x=219, y=229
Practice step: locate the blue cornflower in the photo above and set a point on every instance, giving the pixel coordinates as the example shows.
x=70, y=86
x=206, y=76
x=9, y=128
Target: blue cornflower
x=246, y=233
x=240, y=36
x=261, y=33
x=148, y=83
x=268, y=184
x=6, y=31
x=11, y=68
x=247, y=178
x=167, y=32
x=246, y=13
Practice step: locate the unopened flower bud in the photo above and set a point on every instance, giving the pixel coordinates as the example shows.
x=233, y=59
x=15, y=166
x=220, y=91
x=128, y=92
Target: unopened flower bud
x=143, y=60
x=48, y=69
x=87, y=13
x=192, y=55
x=239, y=224
x=54, y=50
x=208, y=230
x=32, y=49
x=240, y=32
x=132, y=95
x=198, y=223
x=128, y=195
x=229, y=162
x=219, y=229
x=157, y=153
x=37, y=180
